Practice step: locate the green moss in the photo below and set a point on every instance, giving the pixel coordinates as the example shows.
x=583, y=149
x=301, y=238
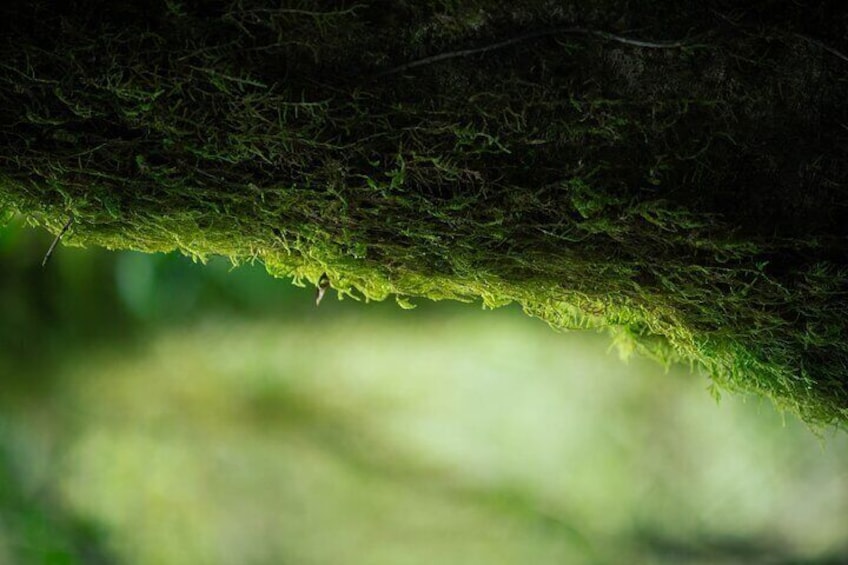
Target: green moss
x=676, y=193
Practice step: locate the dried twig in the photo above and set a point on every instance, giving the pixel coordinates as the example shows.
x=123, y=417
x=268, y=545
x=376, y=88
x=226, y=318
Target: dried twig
x=56, y=241
x=534, y=35
x=821, y=45
x=639, y=42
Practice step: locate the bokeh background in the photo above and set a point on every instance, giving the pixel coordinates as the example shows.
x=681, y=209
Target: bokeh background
x=158, y=411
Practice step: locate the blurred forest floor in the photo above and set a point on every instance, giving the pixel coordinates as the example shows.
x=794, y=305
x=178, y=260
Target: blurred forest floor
x=159, y=411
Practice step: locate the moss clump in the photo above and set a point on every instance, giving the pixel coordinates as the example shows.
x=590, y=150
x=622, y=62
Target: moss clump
x=684, y=187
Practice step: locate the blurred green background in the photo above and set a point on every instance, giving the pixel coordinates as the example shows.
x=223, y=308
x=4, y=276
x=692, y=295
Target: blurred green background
x=157, y=411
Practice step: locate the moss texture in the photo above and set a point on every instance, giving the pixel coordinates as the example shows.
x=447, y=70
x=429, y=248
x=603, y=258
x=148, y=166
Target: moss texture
x=673, y=171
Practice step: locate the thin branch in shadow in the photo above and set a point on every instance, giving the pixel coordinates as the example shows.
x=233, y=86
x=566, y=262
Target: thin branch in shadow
x=534, y=35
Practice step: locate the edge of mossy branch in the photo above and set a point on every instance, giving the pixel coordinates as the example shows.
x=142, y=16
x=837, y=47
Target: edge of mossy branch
x=634, y=328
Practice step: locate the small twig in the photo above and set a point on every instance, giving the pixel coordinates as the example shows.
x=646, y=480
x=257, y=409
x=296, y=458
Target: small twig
x=237, y=80
x=821, y=45
x=466, y=52
x=314, y=14
x=639, y=42
x=533, y=35
x=56, y=241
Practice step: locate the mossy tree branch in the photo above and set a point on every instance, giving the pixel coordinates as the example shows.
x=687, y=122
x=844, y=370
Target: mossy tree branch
x=685, y=188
